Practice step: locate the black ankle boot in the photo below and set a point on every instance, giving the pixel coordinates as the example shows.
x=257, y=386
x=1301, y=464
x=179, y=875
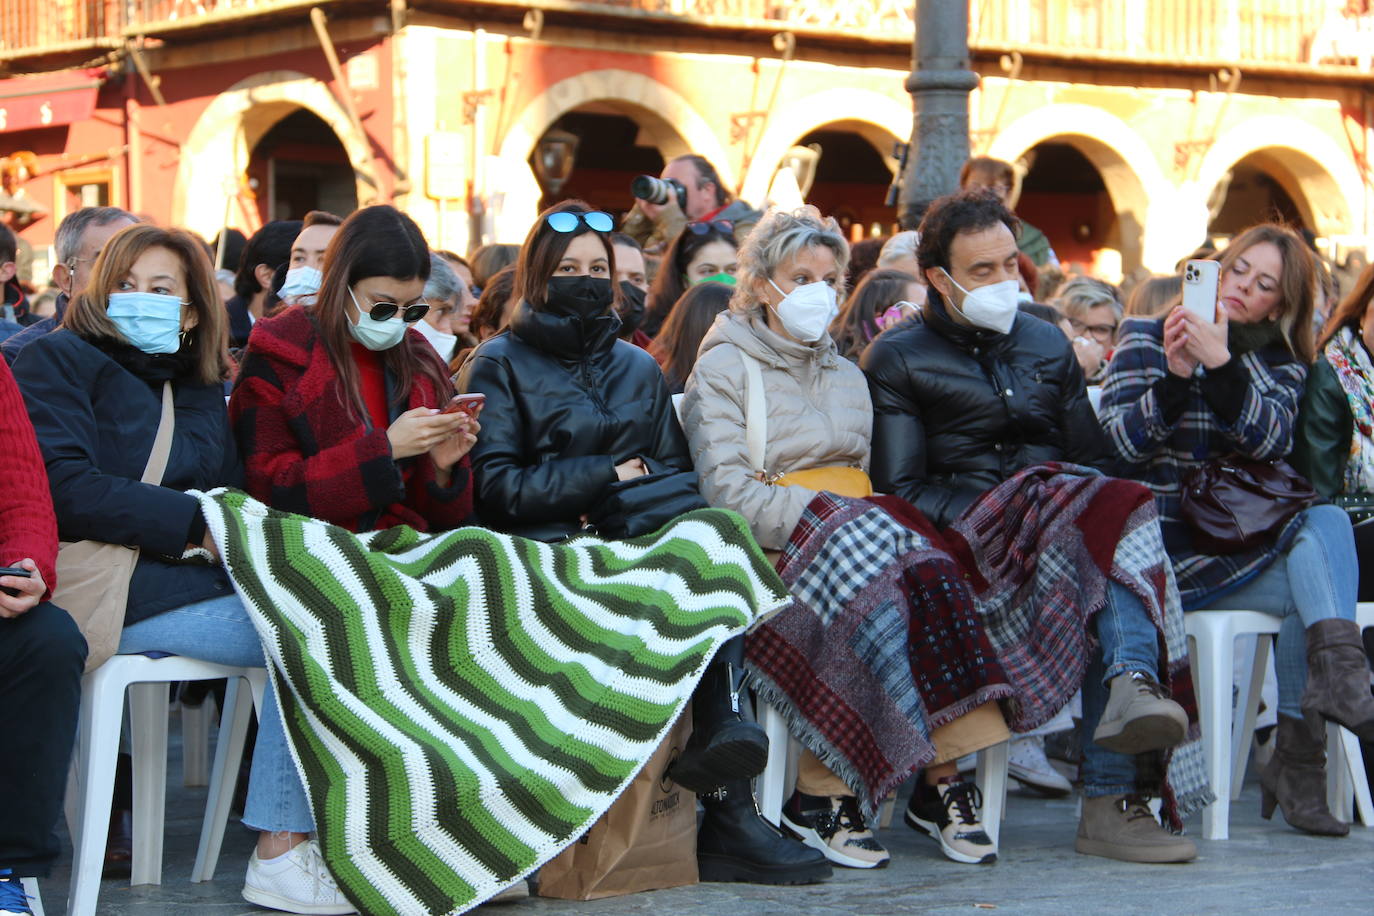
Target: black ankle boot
x=726, y=743
x=735, y=843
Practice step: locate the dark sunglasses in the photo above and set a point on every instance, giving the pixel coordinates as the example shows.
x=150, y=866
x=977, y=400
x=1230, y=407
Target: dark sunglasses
x=723, y=226
x=567, y=221
x=382, y=311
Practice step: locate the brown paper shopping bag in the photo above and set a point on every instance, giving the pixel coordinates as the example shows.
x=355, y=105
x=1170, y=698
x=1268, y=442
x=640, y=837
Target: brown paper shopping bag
x=645, y=841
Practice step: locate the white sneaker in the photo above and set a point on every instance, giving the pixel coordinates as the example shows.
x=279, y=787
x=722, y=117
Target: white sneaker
x=1027, y=764
x=295, y=882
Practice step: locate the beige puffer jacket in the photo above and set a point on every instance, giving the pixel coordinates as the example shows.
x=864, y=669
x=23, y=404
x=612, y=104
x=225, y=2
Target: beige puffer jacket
x=819, y=415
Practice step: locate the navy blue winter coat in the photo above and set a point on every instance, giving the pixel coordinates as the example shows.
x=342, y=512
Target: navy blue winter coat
x=96, y=422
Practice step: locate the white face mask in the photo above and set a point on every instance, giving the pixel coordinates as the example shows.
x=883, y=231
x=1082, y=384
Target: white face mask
x=442, y=343
x=302, y=283
x=373, y=334
x=992, y=307
x=807, y=311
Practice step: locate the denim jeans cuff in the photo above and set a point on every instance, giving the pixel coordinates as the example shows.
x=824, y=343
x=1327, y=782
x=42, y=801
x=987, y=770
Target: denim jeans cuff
x=1101, y=791
x=1126, y=667
x=307, y=826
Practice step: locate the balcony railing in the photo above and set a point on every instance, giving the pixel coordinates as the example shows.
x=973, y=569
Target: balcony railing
x=1283, y=32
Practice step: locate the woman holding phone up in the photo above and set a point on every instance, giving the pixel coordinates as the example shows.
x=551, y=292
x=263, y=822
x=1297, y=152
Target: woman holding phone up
x=1182, y=391
x=339, y=408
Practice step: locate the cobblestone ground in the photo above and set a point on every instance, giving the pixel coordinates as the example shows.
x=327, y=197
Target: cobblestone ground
x=1264, y=867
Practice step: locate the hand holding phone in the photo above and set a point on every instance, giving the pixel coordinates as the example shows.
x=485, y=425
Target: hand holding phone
x=470, y=404
x=1201, y=280
x=18, y=572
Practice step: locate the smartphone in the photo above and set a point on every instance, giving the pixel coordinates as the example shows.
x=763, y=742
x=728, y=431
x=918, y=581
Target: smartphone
x=18, y=572
x=1200, y=282
x=470, y=404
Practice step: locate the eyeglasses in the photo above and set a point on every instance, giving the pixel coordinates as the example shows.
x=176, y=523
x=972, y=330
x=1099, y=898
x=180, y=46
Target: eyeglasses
x=1103, y=332
x=723, y=226
x=568, y=220
x=383, y=311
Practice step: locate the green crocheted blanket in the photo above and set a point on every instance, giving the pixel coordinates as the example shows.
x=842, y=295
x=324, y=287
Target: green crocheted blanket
x=462, y=706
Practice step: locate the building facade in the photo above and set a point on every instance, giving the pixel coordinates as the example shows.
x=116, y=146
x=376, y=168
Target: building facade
x=1140, y=126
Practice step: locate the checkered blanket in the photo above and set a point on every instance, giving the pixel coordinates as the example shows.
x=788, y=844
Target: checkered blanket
x=1040, y=549
x=881, y=644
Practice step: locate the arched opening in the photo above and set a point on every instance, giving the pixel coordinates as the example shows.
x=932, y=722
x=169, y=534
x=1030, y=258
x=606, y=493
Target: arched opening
x=612, y=149
x=852, y=175
x=1065, y=196
x=1256, y=189
x=300, y=165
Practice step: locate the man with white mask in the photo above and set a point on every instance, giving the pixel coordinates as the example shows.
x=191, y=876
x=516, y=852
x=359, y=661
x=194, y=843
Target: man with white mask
x=303, y=274
x=963, y=401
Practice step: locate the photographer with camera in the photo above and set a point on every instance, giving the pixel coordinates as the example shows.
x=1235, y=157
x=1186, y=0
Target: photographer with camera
x=689, y=189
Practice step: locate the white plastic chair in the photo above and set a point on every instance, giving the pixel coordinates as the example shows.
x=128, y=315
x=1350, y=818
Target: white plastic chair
x=89, y=799
x=35, y=901
x=780, y=774
x=1226, y=744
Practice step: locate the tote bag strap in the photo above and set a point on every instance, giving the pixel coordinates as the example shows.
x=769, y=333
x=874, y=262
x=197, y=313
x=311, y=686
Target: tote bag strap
x=162, y=445
x=755, y=412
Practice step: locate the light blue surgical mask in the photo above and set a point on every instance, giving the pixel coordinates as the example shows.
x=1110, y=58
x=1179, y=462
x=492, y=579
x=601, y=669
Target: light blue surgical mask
x=301, y=285
x=373, y=334
x=149, y=321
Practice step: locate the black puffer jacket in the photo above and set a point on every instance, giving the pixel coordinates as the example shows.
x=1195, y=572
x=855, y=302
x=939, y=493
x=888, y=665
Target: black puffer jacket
x=566, y=402
x=958, y=410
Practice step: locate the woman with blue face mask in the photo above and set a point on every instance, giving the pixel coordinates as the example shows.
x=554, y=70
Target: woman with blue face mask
x=148, y=325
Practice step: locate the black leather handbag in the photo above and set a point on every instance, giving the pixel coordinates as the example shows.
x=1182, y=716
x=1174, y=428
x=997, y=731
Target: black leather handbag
x=1235, y=503
x=644, y=504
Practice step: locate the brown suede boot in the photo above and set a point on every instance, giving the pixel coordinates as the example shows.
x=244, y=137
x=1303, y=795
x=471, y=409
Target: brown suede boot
x=1295, y=780
x=1122, y=827
x=1338, y=678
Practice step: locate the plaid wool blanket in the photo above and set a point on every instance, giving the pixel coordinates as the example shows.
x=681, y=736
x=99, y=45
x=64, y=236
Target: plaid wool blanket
x=881, y=644
x=462, y=706
x=1040, y=548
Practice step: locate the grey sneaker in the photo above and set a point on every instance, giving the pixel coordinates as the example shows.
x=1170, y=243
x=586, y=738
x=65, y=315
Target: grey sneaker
x=1122, y=827
x=1140, y=716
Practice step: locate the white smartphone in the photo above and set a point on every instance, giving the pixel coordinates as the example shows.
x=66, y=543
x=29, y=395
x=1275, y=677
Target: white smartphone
x=1200, y=282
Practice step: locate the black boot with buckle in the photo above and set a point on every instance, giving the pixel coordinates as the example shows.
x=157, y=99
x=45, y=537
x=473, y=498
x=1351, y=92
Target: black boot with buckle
x=735, y=843
x=726, y=743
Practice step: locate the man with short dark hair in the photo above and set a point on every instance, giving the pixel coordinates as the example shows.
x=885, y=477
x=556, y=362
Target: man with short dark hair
x=654, y=225
x=268, y=249
x=964, y=401
x=306, y=263
x=631, y=275
x=80, y=237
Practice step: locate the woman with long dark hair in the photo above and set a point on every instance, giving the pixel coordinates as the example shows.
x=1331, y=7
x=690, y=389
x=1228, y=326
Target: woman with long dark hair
x=337, y=406
x=702, y=251
x=677, y=342
x=865, y=313
x=581, y=438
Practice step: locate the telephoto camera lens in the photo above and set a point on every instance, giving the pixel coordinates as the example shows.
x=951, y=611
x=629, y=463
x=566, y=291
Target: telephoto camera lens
x=651, y=189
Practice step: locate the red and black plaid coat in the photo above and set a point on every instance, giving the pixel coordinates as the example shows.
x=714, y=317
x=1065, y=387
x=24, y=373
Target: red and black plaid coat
x=304, y=452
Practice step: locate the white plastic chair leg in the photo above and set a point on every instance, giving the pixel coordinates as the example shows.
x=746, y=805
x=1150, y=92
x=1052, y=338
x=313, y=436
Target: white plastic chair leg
x=148, y=721
x=992, y=783
x=1354, y=764
x=239, y=695
x=1243, y=733
x=773, y=783
x=1213, y=673
x=1338, y=788
x=97, y=753
x=35, y=900
x=195, y=742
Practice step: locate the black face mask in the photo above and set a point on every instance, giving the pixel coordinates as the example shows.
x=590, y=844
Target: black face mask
x=578, y=297
x=632, y=307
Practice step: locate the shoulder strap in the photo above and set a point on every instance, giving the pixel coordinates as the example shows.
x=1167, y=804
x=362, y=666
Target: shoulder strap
x=162, y=445
x=755, y=412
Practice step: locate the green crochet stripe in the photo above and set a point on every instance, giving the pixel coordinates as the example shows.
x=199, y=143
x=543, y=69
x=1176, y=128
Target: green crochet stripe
x=462, y=706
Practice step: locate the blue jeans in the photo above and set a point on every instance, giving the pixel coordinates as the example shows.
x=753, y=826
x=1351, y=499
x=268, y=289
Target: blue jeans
x=1318, y=578
x=1129, y=642
x=218, y=630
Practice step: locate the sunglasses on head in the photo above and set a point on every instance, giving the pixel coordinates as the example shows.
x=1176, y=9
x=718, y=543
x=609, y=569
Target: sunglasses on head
x=723, y=226
x=568, y=220
x=382, y=311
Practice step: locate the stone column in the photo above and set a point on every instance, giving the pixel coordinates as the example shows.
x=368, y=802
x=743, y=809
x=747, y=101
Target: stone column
x=939, y=84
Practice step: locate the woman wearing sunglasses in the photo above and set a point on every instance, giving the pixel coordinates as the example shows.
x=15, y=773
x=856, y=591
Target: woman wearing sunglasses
x=580, y=436
x=702, y=251
x=882, y=299
x=337, y=408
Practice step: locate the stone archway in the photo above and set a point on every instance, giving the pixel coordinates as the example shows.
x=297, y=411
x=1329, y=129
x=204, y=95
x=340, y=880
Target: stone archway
x=879, y=119
x=1140, y=194
x=667, y=120
x=1315, y=171
x=217, y=150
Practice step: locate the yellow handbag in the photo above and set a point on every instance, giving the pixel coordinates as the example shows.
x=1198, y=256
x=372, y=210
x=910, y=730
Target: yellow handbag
x=842, y=481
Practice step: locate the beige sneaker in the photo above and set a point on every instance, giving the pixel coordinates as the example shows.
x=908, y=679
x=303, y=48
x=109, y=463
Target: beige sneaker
x=1140, y=716
x=836, y=828
x=1123, y=827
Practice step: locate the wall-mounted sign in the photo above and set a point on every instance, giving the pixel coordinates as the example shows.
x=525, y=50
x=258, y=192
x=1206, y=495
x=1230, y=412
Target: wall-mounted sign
x=35, y=102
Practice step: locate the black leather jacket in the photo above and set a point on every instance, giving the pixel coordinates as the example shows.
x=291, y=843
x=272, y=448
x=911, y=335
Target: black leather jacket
x=957, y=410
x=566, y=402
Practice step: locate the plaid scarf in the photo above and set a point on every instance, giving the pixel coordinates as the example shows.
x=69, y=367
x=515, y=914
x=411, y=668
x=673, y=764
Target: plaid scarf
x=1040, y=548
x=1350, y=360
x=881, y=644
